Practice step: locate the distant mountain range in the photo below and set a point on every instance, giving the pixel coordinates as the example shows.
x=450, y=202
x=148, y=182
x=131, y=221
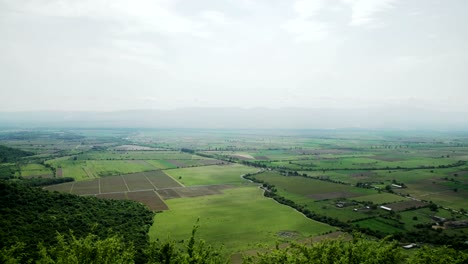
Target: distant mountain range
x=238, y=118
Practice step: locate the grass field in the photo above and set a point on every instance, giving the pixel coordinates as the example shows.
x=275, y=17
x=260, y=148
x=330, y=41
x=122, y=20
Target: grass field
x=90, y=169
x=136, y=155
x=34, y=170
x=239, y=219
x=312, y=188
x=379, y=224
x=207, y=175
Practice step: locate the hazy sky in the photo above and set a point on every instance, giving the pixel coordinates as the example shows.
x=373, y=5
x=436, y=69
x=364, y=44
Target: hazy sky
x=139, y=54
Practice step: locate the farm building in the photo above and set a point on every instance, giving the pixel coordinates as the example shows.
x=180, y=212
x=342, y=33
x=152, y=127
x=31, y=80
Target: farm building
x=438, y=218
x=397, y=186
x=410, y=246
x=386, y=208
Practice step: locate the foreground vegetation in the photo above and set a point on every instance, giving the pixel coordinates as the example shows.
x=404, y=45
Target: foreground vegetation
x=91, y=249
x=31, y=216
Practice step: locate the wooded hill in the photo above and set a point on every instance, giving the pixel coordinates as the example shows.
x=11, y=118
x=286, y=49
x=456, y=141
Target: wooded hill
x=8, y=154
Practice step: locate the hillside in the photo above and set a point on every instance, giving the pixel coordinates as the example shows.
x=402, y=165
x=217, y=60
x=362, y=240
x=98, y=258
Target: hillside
x=32, y=215
x=8, y=154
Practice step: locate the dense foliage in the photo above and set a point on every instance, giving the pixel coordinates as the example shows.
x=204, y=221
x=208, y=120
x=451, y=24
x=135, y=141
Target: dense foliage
x=7, y=171
x=8, y=154
x=31, y=216
x=91, y=249
x=358, y=250
x=38, y=181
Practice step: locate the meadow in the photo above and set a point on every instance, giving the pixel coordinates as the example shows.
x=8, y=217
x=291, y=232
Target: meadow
x=208, y=175
x=238, y=220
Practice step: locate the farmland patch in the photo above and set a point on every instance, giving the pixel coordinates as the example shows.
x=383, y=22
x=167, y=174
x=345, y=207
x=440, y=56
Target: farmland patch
x=115, y=196
x=113, y=184
x=239, y=219
x=86, y=187
x=207, y=175
x=332, y=195
x=132, y=148
x=161, y=180
x=167, y=194
x=149, y=198
x=62, y=187
x=405, y=205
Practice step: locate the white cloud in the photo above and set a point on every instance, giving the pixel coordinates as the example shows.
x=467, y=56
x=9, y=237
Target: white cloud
x=135, y=16
x=215, y=17
x=308, y=8
x=306, y=30
x=364, y=12
x=304, y=26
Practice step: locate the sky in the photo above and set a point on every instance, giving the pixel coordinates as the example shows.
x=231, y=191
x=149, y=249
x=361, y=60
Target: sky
x=109, y=55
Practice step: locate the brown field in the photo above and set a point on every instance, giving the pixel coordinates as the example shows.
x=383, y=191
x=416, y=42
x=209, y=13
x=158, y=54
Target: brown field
x=138, y=181
x=86, y=187
x=59, y=172
x=332, y=195
x=138, y=187
x=63, y=187
x=115, y=196
x=168, y=193
x=211, y=162
x=125, y=183
x=243, y=157
x=193, y=191
x=113, y=184
x=161, y=180
x=261, y=158
x=149, y=198
x=405, y=205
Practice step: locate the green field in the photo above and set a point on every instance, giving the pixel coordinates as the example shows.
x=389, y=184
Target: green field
x=311, y=188
x=34, y=170
x=207, y=175
x=90, y=169
x=238, y=220
x=379, y=224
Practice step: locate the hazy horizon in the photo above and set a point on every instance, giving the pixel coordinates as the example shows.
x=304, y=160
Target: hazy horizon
x=340, y=54
x=412, y=118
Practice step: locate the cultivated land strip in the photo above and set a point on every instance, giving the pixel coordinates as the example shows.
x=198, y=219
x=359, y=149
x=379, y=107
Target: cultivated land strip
x=150, y=182
x=125, y=182
x=71, y=188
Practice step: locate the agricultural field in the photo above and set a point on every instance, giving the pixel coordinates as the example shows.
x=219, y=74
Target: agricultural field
x=239, y=219
x=252, y=189
x=208, y=175
x=34, y=170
